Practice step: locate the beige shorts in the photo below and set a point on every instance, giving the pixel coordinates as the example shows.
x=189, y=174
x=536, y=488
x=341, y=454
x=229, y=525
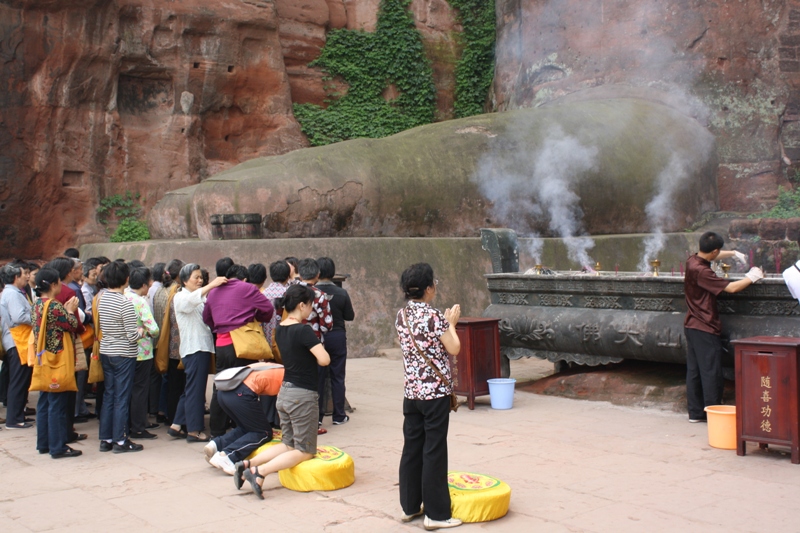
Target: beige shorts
x=299, y=412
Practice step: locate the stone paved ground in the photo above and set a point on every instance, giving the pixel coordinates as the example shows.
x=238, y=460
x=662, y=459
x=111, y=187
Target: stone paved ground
x=572, y=465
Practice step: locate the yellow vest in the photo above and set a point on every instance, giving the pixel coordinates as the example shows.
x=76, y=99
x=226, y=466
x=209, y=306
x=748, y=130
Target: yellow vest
x=22, y=336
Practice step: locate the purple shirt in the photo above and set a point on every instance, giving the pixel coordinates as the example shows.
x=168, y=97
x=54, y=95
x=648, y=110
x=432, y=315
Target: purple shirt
x=234, y=304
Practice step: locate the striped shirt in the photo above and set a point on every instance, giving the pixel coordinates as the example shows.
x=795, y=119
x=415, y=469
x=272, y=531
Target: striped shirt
x=118, y=325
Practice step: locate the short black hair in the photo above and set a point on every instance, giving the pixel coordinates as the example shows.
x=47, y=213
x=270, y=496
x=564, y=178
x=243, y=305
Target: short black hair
x=158, y=272
x=710, y=241
x=104, y=260
x=293, y=261
x=415, y=279
x=115, y=274
x=172, y=272
x=257, y=274
x=308, y=269
x=139, y=277
x=72, y=253
x=327, y=268
x=135, y=263
x=91, y=264
x=62, y=265
x=223, y=265
x=9, y=273
x=237, y=271
x=279, y=271
x=46, y=278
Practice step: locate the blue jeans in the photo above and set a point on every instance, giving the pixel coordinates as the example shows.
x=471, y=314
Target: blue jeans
x=192, y=405
x=51, y=422
x=118, y=373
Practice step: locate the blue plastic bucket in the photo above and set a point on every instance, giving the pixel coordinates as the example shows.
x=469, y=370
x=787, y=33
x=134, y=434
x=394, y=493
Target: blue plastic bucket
x=501, y=392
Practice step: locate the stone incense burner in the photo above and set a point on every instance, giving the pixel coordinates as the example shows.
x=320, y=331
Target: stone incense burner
x=570, y=318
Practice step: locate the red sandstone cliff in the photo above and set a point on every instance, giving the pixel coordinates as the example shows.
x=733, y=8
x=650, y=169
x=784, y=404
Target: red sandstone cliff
x=104, y=96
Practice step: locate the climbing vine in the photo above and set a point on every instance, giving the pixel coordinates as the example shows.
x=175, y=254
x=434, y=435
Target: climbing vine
x=370, y=63
x=475, y=69
x=126, y=211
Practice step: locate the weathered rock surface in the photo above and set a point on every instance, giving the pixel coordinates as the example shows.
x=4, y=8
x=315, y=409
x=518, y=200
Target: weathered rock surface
x=424, y=182
x=740, y=59
x=103, y=96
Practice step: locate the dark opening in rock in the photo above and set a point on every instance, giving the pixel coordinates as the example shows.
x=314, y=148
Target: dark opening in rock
x=72, y=178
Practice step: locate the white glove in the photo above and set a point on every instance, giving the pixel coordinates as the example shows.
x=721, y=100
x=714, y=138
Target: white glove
x=740, y=257
x=755, y=274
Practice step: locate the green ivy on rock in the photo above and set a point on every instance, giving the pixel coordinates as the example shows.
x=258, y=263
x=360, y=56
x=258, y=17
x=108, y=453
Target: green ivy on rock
x=126, y=211
x=370, y=63
x=475, y=69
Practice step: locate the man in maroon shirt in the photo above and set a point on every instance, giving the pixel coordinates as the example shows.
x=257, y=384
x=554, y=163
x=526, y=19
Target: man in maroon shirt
x=702, y=326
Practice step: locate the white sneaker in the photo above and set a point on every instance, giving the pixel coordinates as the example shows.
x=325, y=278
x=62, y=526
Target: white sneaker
x=222, y=462
x=430, y=525
x=210, y=449
x=409, y=517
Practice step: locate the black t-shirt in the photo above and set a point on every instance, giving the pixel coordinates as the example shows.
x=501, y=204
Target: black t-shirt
x=300, y=366
x=341, y=307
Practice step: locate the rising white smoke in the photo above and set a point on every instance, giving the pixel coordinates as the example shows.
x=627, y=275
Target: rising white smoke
x=660, y=209
x=530, y=184
x=559, y=162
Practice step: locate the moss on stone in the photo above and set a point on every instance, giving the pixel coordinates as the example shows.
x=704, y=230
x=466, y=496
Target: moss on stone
x=423, y=181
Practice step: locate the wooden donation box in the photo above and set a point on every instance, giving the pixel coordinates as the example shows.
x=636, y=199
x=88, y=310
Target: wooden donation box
x=767, y=400
x=479, y=358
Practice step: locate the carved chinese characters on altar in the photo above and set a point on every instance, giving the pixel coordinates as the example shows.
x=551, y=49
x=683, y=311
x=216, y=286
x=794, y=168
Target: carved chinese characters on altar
x=589, y=332
x=766, y=409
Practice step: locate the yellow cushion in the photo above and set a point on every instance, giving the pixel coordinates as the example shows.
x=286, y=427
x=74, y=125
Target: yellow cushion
x=329, y=469
x=276, y=439
x=476, y=497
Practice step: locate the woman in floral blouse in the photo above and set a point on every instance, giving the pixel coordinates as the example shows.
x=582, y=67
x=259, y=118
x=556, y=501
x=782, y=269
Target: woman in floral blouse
x=51, y=411
x=426, y=402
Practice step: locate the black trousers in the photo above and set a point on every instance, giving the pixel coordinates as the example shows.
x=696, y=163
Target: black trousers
x=704, y=381
x=423, y=465
x=19, y=379
x=139, y=396
x=252, y=427
x=4, y=383
x=176, y=382
x=336, y=346
x=154, y=397
x=218, y=421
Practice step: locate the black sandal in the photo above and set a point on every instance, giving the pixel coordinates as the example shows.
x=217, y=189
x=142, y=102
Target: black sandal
x=176, y=434
x=253, y=479
x=238, y=480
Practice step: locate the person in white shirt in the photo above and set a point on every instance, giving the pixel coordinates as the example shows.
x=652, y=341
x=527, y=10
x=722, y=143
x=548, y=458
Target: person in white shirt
x=197, y=345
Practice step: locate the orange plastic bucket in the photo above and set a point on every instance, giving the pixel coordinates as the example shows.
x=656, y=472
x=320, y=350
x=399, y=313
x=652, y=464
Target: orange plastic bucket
x=722, y=426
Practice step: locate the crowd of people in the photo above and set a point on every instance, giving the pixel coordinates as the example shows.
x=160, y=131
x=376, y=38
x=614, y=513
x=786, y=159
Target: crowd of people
x=142, y=342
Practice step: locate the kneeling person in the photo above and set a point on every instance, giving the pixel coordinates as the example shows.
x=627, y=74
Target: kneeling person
x=243, y=405
x=301, y=352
